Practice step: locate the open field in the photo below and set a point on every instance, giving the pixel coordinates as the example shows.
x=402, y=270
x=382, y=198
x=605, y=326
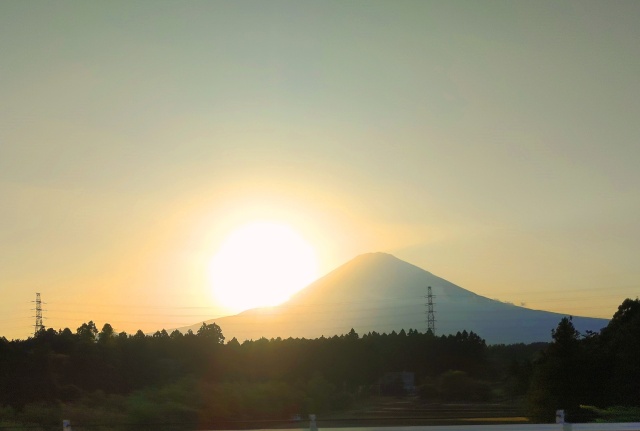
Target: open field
x=411, y=411
x=392, y=413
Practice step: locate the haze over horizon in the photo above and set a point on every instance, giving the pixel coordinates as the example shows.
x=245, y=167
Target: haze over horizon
x=379, y=293
x=493, y=144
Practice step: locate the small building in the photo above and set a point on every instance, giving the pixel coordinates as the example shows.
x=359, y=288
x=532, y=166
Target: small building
x=397, y=383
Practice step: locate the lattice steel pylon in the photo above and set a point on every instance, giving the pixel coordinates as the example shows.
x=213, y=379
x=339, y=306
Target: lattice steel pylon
x=38, y=326
x=431, y=318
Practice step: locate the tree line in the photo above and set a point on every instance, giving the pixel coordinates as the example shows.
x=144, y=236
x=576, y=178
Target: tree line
x=586, y=373
x=201, y=379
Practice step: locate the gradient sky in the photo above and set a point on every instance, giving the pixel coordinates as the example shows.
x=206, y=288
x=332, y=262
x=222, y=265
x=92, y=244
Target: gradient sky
x=495, y=144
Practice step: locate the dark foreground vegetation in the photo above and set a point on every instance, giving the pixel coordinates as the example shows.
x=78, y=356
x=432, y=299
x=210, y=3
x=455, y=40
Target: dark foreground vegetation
x=197, y=381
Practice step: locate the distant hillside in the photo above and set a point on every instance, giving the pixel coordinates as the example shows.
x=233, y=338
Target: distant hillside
x=379, y=292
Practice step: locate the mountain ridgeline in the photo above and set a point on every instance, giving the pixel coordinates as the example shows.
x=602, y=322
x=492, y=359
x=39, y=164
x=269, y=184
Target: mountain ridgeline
x=378, y=292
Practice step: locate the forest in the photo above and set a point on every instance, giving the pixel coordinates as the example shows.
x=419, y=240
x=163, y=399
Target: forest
x=204, y=381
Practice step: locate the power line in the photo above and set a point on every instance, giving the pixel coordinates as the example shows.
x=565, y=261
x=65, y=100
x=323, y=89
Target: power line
x=399, y=305
x=612, y=290
x=306, y=315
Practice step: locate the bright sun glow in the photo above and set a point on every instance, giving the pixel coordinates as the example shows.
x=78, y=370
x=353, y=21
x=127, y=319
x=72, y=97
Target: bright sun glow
x=261, y=264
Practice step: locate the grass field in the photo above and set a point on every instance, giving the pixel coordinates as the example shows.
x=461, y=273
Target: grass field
x=411, y=411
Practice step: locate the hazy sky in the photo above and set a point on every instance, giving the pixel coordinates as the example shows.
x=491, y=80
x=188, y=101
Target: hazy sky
x=495, y=144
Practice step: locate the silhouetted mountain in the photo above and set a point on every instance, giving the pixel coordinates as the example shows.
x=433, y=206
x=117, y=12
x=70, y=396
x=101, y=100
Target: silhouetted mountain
x=379, y=292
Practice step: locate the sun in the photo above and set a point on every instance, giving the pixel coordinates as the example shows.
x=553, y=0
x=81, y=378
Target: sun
x=261, y=264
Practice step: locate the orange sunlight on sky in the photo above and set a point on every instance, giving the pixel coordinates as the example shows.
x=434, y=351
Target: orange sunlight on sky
x=492, y=144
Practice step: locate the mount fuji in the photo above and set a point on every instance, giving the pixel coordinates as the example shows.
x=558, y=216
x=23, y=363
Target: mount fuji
x=379, y=292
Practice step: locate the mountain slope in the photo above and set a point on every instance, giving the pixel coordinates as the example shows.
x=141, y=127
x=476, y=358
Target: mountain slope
x=379, y=292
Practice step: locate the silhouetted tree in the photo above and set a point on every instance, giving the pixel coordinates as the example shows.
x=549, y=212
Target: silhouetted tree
x=620, y=342
x=87, y=331
x=558, y=378
x=106, y=334
x=211, y=332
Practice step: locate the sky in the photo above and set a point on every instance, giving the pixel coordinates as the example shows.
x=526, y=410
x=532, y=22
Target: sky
x=494, y=144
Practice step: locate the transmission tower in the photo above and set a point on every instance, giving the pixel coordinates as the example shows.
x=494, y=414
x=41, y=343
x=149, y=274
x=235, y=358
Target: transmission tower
x=431, y=318
x=38, y=326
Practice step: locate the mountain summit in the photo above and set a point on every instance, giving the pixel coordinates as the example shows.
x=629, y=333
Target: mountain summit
x=379, y=292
